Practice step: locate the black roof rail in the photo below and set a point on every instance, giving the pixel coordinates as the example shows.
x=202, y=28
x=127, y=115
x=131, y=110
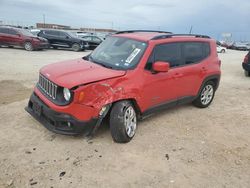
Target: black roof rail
x=180, y=35
x=145, y=31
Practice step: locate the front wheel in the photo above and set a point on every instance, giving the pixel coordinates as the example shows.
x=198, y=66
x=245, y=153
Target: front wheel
x=223, y=51
x=247, y=73
x=76, y=47
x=123, y=121
x=206, y=95
x=28, y=46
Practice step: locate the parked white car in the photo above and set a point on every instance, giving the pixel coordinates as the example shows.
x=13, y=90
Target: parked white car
x=221, y=49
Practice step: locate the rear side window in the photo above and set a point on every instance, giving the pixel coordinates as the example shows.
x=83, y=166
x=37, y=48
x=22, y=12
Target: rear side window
x=179, y=53
x=61, y=34
x=4, y=30
x=54, y=33
x=194, y=52
x=12, y=32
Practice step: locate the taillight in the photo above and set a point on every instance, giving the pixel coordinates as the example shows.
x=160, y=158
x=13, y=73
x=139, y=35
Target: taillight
x=246, y=59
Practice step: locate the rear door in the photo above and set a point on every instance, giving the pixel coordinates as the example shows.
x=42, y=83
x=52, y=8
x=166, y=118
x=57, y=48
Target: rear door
x=15, y=38
x=4, y=36
x=64, y=40
x=194, y=69
x=52, y=36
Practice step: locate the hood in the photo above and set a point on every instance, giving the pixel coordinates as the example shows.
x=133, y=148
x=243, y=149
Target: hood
x=78, y=72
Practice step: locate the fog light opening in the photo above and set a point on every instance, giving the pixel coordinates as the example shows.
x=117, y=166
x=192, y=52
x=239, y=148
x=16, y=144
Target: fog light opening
x=69, y=124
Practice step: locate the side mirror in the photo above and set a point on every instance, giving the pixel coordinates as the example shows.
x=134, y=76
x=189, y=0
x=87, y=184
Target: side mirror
x=160, y=66
x=67, y=37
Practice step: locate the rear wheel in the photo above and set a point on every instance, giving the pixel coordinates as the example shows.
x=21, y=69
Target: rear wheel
x=123, y=121
x=76, y=47
x=206, y=95
x=28, y=46
x=247, y=73
x=55, y=47
x=223, y=51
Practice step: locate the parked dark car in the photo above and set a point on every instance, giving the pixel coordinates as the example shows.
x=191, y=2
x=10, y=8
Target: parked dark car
x=63, y=39
x=10, y=36
x=246, y=64
x=93, y=41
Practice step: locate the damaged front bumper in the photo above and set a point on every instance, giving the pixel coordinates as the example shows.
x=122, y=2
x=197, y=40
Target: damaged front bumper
x=58, y=122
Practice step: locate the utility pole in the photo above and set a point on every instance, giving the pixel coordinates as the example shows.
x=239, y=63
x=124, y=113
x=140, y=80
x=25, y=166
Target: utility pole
x=191, y=29
x=112, y=25
x=43, y=20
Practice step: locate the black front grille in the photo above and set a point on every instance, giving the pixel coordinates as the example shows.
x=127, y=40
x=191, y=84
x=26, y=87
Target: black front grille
x=47, y=86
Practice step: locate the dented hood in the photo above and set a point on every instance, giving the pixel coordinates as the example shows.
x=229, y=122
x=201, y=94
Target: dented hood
x=77, y=72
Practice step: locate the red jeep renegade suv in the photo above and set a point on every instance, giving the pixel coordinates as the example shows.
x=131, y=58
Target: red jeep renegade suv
x=129, y=76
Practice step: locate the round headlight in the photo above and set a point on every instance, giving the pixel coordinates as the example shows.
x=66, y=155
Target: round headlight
x=66, y=94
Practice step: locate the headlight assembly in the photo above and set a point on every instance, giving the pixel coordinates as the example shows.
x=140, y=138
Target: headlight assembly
x=66, y=94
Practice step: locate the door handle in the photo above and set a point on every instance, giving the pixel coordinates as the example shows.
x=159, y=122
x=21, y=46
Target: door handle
x=203, y=69
x=177, y=75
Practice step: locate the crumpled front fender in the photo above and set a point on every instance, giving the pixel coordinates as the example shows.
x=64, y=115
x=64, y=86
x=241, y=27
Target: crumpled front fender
x=99, y=94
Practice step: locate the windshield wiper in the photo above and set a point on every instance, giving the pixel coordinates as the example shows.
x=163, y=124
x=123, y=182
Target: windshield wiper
x=104, y=65
x=90, y=58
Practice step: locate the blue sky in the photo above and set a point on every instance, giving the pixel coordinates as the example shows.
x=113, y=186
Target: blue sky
x=206, y=16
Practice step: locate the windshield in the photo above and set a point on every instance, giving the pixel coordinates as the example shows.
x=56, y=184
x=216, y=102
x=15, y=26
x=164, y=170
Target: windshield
x=118, y=53
x=26, y=32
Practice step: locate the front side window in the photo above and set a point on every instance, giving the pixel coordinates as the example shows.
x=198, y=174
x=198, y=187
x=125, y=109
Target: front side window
x=169, y=53
x=95, y=39
x=86, y=38
x=26, y=32
x=119, y=53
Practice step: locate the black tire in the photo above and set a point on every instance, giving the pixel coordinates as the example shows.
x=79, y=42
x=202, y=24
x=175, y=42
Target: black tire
x=28, y=46
x=199, y=101
x=117, y=121
x=55, y=47
x=223, y=51
x=247, y=73
x=76, y=47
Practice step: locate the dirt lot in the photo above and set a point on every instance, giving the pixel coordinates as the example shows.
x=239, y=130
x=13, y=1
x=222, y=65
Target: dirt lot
x=180, y=147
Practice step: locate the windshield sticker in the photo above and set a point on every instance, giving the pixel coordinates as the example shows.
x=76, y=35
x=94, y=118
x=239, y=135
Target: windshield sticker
x=133, y=55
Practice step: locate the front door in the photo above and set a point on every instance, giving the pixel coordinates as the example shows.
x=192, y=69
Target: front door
x=161, y=89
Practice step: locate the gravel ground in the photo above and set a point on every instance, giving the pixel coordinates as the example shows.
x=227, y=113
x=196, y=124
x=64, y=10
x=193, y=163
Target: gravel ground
x=181, y=147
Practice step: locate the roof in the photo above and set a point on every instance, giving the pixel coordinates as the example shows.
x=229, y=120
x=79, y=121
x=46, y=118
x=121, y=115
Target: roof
x=142, y=36
x=146, y=35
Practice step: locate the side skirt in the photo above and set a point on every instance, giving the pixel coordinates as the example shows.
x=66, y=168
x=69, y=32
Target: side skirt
x=167, y=105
